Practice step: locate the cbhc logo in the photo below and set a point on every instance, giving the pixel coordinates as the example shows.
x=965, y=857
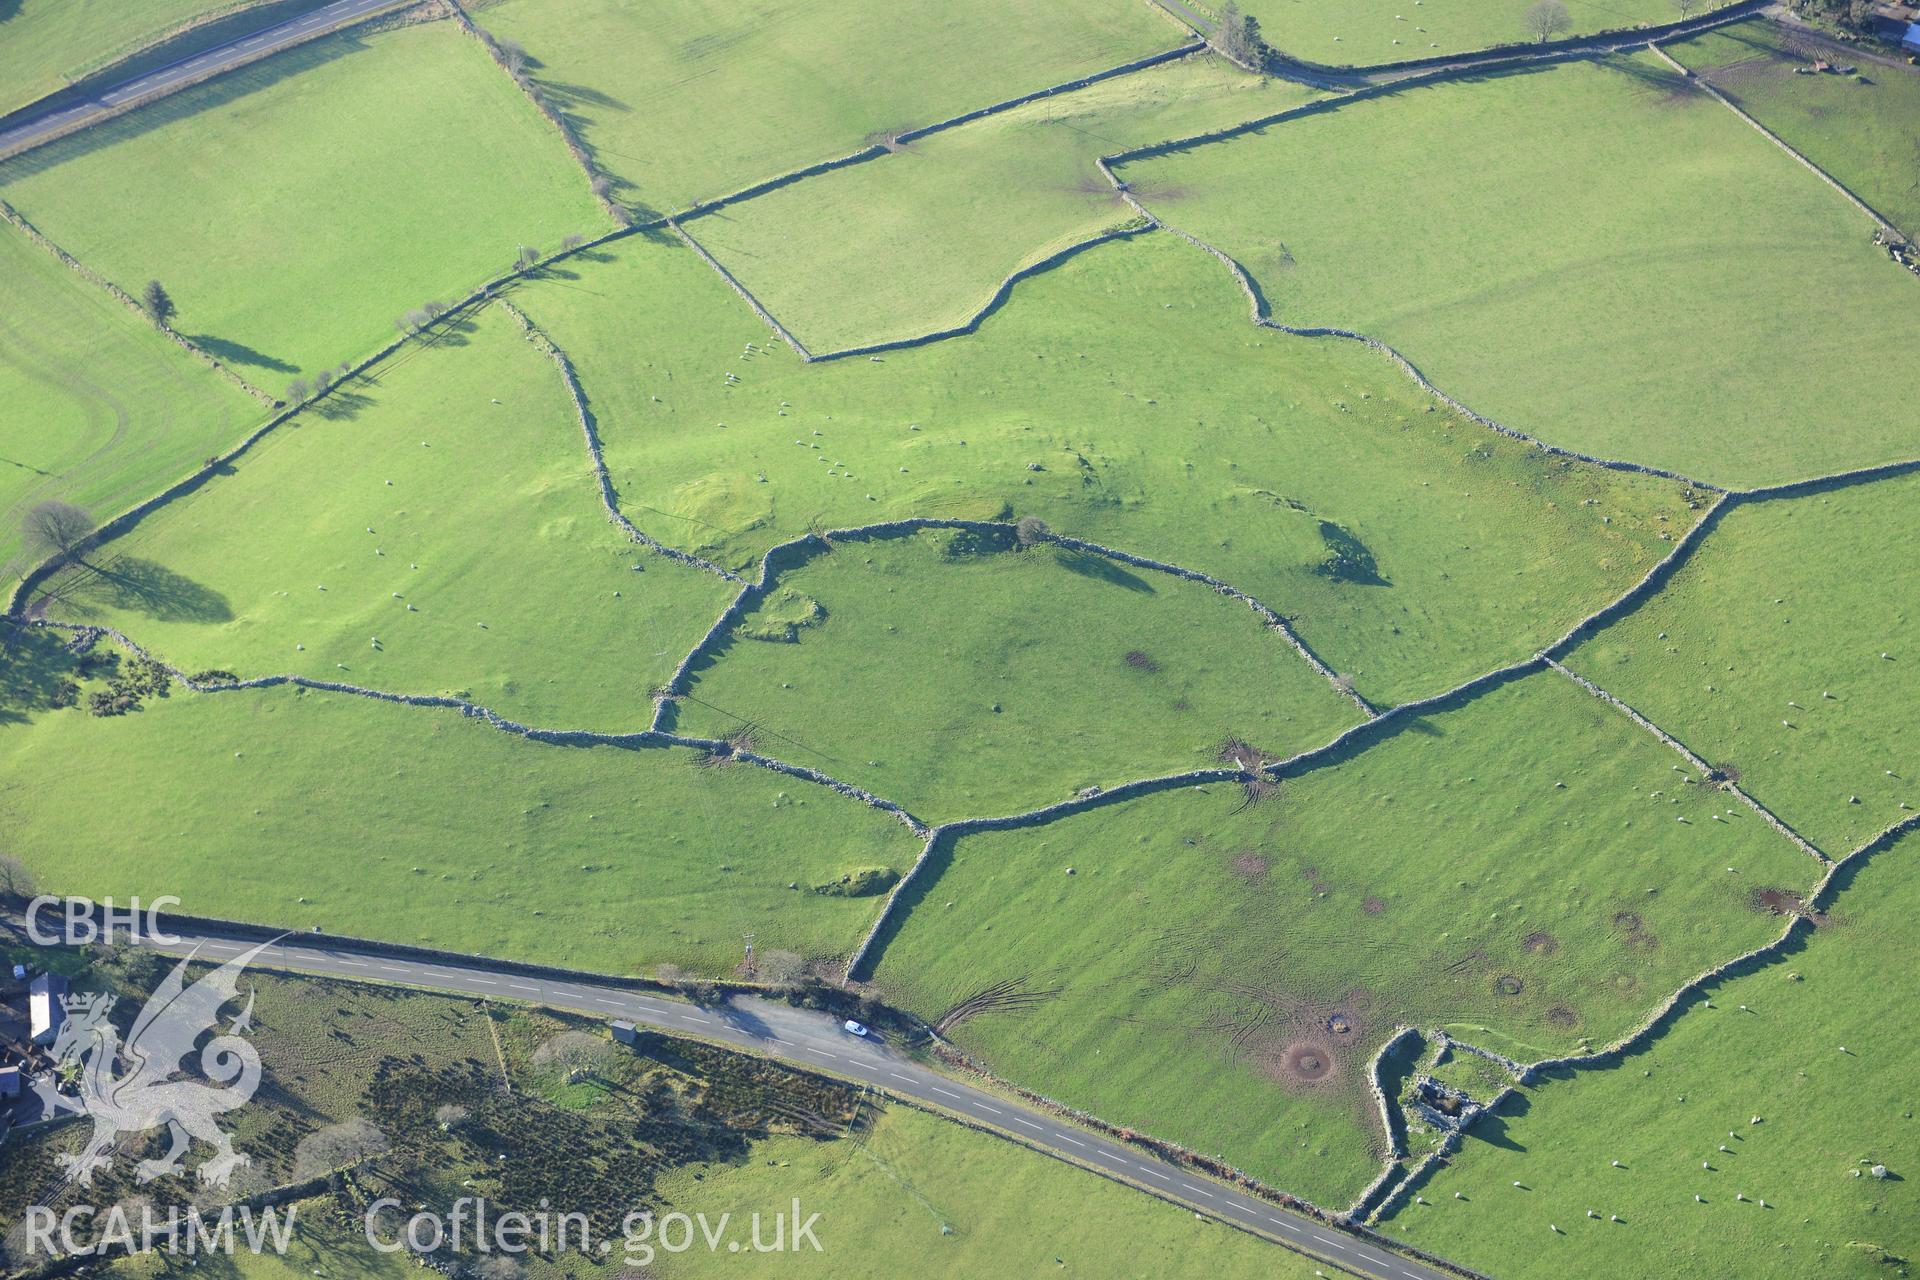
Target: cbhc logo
x=83, y=921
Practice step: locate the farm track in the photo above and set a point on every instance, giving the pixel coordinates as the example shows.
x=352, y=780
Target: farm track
x=1388, y=1188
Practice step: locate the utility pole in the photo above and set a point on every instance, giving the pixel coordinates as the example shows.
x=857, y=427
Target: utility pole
x=747, y=964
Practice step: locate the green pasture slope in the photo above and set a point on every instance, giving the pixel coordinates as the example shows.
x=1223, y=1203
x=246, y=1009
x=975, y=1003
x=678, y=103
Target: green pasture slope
x=45, y=44
x=1526, y=870
x=1164, y=424
x=1596, y=253
x=916, y=1195
x=99, y=408
x=1773, y=652
x=435, y=528
x=296, y=208
x=961, y=679
x=1864, y=129
x=296, y=808
x=1818, y=1046
x=918, y=241
x=1365, y=33
x=690, y=100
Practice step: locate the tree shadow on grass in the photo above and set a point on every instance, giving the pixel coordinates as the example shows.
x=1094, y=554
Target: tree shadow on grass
x=132, y=585
x=1101, y=569
x=34, y=667
x=239, y=353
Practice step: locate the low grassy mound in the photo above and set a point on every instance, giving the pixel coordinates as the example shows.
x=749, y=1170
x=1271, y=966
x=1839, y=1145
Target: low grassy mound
x=960, y=675
x=1526, y=871
x=296, y=208
x=437, y=529
x=295, y=808
x=1123, y=398
x=101, y=408
x=1789, y=1091
x=691, y=100
x=1772, y=654
x=1860, y=128
x=918, y=241
x=914, y=1194
x=1597, y=253
x=1365, y=33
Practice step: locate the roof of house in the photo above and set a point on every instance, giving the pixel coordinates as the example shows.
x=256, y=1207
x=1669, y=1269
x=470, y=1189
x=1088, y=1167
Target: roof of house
x=43, y=1002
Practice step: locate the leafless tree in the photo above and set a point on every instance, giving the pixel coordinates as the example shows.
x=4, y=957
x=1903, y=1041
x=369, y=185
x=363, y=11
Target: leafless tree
x=1685, y=8
x=1546, y=19
x=1237, y=37
x=55, y=528
x=498, y=1266
x=780, y=968
x=527, y=256
x=337, y=1146
x=1030, y=530
x=15, y=880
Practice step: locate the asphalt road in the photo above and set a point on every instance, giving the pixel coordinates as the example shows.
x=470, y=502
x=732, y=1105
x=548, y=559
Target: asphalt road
x=35, y=130
x=820, y=1043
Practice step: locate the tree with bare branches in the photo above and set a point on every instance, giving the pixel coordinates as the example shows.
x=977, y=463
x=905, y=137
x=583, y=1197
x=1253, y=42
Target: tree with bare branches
x=55, y=528
x=1546, y=19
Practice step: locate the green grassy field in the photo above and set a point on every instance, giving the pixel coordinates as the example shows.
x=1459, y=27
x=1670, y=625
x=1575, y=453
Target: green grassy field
x=1526, y=871
x=1769, y=651
x=424, y=826
x=915, y=1195
x=296, y=208
x=101, y=409
x=1864, y=129
x=1817, y=1045
x=986, y=679
x=1165, y=425
x=1375, y=31
x=386, y=514
x=44, y=44
x=918, y=241
x=691, y=100
x=1593, y=253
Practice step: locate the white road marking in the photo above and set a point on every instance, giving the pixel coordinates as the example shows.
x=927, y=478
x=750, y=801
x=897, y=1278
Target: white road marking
x=1199, y=1191
x=1075, y=1141
x=1331, y=1244
x=984, y=1107
x=947, y=1093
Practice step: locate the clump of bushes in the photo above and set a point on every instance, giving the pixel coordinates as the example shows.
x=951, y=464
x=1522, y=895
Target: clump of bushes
x=131, y=682
x=861, y=882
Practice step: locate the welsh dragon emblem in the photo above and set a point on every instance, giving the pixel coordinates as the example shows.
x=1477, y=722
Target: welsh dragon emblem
x=146, y=1095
